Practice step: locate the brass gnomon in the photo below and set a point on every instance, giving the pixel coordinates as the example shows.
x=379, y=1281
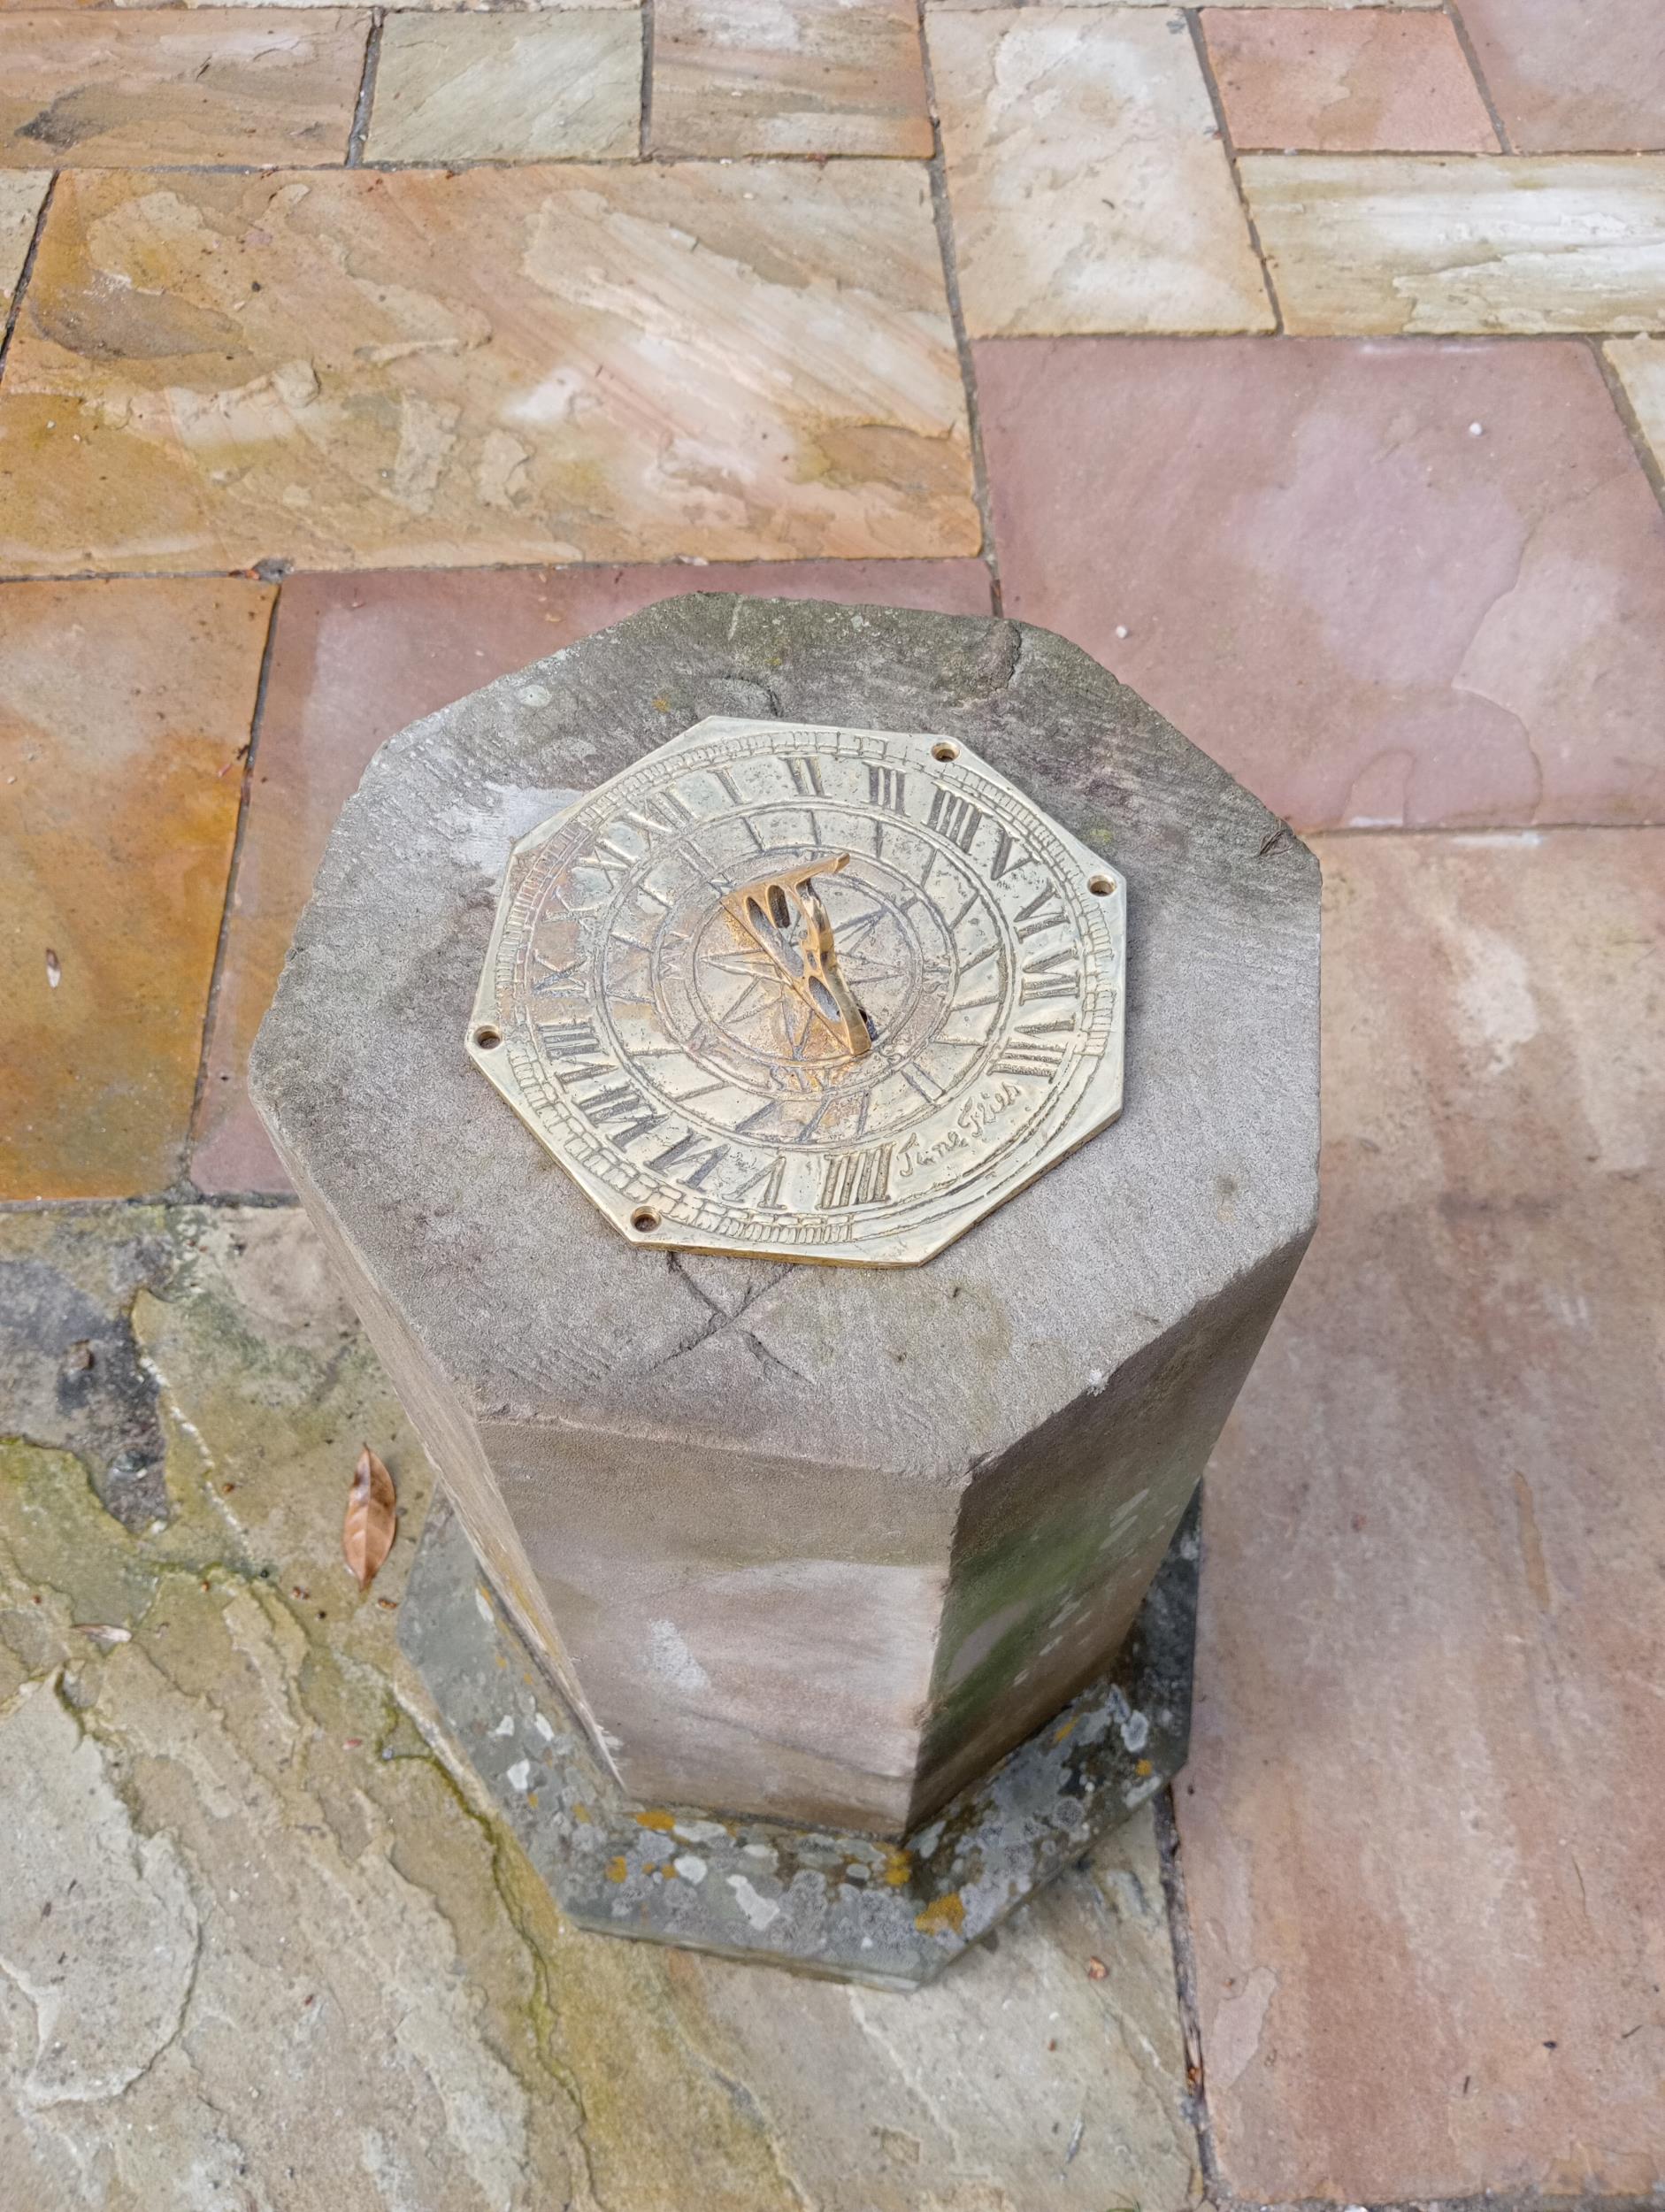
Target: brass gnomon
x=783, y=915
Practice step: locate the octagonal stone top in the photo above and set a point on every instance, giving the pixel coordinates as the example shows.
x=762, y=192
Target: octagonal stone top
x=494, y=1266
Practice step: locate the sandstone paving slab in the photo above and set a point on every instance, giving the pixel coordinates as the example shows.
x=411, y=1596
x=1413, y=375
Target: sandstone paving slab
x=416, y=367
x=1386, y=586
x=1427, y=1921
x=290, y=1955
x=1341, y=80
x=21, y=193
x=1373, y=247
x=789, y=77
x=216, y=85
x=1089, y=189
x=125, y=710
x=356, y=658
x=1640, y=364
x=1566, y=77
x=500, y=87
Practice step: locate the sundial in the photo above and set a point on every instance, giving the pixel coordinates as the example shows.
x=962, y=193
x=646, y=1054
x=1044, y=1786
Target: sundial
x=883, y=1615
x=819, y=993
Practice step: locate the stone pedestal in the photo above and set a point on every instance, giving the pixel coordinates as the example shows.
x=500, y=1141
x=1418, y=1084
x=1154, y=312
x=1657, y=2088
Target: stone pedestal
x=805, y=1546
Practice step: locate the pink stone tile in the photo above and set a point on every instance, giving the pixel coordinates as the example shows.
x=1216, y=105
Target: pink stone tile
x=1573, y=76
x=1416, y=584
x=355, y=658
x=1421, y=1821
x=1345, y=81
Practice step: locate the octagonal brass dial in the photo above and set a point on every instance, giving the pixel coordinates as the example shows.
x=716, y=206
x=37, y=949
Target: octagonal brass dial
x=816, y=992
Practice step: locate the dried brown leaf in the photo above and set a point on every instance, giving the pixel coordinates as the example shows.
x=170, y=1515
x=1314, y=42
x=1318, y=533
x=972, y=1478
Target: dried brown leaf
x=1096, y=1969
x=367, y=1531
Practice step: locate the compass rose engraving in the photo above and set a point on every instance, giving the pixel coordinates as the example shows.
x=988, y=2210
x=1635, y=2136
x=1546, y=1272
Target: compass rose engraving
x=827, y=994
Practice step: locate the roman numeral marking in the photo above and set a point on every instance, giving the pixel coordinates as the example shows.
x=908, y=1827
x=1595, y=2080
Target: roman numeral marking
x=955, y=818
x=768, y=1179
x=805, y=771
x=1032, y=920
x=1020, y=1058
x=691, y=1163
x=857, y=1179
x=1007, y=856
x=660, y=815
x=625, y=1105
x=727, y=781
x=1036, y=983
x=565, y=1039
x=614, y=864
x=568, y=1045
x=887, y=787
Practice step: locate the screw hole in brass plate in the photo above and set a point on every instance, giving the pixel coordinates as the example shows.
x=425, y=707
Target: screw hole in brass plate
x=487, y=1038
x=1101, y=886
x=946, y=750
x=643, y=1219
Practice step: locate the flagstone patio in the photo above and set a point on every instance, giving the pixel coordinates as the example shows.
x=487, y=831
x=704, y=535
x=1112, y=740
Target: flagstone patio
x=1306, y=365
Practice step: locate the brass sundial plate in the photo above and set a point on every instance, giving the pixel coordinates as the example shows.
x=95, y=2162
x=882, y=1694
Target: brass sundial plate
x=645, y=1008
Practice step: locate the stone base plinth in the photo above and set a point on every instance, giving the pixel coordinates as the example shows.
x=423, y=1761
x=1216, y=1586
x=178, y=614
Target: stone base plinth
x=821, y=1902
